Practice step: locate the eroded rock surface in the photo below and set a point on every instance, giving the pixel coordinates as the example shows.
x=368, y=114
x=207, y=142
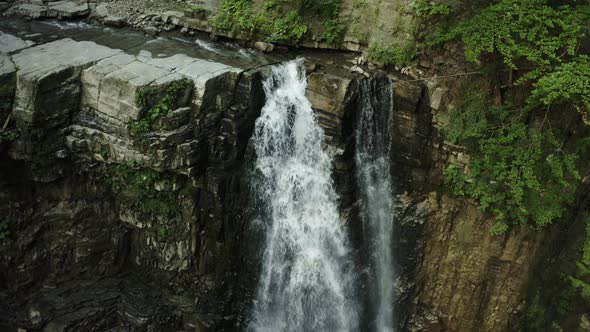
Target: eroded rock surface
x=161, y=205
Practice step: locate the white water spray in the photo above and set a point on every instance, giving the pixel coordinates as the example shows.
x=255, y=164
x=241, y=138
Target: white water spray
x=307, y=279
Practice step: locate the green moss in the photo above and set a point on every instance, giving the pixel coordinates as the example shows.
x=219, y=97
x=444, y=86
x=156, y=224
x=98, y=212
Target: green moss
x=156, y=103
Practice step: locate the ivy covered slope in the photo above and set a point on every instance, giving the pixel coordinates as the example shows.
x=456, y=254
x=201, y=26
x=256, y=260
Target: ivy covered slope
x=526, y=161
x=522, y=113
x=281, y=21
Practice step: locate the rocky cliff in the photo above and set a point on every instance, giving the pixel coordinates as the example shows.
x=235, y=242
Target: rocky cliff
x=124, y=185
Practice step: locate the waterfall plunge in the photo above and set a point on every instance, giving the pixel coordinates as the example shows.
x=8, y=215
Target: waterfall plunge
x=374, y=182
x=307, y=280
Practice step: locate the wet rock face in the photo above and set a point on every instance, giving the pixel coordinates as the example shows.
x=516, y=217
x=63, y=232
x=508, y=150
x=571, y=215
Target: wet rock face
x=148, y=229
x=108, y=226
x=111, y=226
x=468, y=278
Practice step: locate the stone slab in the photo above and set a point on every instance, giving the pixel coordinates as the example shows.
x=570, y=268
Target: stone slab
x=10, y=44
x=48, y=76
x=67, y=9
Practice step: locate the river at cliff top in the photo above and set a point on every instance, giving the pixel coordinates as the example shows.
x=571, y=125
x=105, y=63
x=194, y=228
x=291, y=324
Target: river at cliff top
x=165, y=45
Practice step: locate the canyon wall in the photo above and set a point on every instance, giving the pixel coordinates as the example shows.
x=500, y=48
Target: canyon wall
x=108, y=224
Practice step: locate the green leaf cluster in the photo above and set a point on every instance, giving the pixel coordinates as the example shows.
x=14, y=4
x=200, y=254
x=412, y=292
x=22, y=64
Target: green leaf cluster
x=426, y=9
x=568, y=83
x=523, y=30
x=517, y=171
x=518, y=174
x=234, y=15
x=288, y=28
x=281, y=21
x=140, y=183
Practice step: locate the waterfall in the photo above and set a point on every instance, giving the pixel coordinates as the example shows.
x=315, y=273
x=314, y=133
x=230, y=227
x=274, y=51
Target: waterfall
x=374, y=183
x=307, y=279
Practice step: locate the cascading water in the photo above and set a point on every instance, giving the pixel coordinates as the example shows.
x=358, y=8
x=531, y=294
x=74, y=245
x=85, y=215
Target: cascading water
x=307, y=280
x=374, y=182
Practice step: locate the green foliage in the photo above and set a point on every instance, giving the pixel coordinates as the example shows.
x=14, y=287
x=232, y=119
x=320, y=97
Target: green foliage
x=391, y=54
x=155, y=104
x=517, y=174
x=499, y=228
x=428, y=9
x=333, y=31
x=234, y=15
x=324, y=9
x=280, y=22
x=581, y=280
x=586, y=247
x=523, y=30
x=289, y=28
x=567, y=83
x=140, y=183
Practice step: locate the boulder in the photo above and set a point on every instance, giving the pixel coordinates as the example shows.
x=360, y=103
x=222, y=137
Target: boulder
x=102, y=10
x=264, y=46
x=173, y=17
x=67, y=9
x=152, y=31
x=114, y=21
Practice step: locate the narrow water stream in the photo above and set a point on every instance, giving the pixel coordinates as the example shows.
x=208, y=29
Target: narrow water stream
x=375, y=186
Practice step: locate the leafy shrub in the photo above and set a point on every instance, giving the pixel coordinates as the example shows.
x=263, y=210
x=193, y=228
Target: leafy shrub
x=234, y=15
x=333, y=31
x=567, y=83
x=280, y=23
x=427, y=8
x=289, y=28
x=530, y=30
x=521, y=174
x=391, y=54
x=518, y=174
x=586, y=247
